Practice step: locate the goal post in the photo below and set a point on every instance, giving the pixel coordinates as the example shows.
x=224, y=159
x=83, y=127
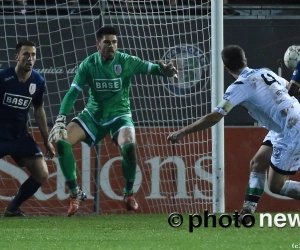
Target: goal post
x=185, y=177
x=217, y=90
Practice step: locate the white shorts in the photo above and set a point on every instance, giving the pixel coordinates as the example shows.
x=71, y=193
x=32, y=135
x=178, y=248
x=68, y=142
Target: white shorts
x=269, y=136
x=286, y=153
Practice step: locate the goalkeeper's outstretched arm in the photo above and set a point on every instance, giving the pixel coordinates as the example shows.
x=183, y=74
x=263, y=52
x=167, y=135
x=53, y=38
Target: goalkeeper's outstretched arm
x=168, y=69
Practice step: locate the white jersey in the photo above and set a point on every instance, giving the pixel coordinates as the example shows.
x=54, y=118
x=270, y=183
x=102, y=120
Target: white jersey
x=263, y=93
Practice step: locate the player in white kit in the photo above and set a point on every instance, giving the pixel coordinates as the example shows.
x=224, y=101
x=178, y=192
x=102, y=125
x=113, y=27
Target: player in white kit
x=260, y=162
x=264, y=95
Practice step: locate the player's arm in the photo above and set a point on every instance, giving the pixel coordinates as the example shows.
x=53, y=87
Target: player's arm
x=167, y=70
x=143, y=67
x=69, y=100
x=294, y=84
x=293, y=88
x=203, y=123
x=59, y=130
x=40, y=118
x=163, y=69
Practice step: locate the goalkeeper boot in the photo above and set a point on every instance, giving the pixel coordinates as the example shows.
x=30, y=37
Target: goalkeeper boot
x=247, y=220
x=130, y=202
x=74, y=202
x=17, y=213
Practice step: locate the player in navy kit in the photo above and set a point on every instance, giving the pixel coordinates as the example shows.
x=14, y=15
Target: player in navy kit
x=19, y=87
x=295, y=81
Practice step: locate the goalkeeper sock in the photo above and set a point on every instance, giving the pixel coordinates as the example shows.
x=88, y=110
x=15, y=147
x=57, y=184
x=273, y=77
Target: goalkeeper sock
x=129, y=166
x=67, y=164
x=27, y=189
x=291, y=189
x=255, y=190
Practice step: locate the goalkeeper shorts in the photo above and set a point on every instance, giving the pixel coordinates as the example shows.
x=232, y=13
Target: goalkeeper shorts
x=20, y=149
x=95, y=132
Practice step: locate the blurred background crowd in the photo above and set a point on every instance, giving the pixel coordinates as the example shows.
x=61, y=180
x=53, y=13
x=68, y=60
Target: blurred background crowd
x=171, y=2
x=230, y=6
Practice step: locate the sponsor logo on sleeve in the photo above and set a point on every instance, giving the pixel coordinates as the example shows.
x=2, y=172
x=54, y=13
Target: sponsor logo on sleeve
x=8, y=78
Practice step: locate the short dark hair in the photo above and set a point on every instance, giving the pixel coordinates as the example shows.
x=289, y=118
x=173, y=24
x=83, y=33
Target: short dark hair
x=106, y=30
x=24, y=43
x=233, y=57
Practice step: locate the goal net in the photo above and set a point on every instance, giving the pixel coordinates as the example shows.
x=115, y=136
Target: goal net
x=169, y=177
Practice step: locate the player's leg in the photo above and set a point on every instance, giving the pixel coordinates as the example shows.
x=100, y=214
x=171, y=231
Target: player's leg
x=66, y=157
x=123, y=133
x=39, y=173
x=27, y=154
x=81, y=128
x=277, y=180
x=258, y=167
x=279, y=183
x=67, y=164
x=284, y=162
x=126, y=142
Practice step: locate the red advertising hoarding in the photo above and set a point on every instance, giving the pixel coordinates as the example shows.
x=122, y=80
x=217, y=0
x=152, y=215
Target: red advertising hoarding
x=169, y=178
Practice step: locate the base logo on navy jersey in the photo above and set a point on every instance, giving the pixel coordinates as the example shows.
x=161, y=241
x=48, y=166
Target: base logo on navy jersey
x=16, y=101
x=193, y=70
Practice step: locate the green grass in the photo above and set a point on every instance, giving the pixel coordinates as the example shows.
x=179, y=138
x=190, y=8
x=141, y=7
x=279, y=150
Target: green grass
x=135, y=232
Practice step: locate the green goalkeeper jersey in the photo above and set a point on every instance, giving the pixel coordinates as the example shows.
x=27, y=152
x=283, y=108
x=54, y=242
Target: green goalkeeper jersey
x=109, y=85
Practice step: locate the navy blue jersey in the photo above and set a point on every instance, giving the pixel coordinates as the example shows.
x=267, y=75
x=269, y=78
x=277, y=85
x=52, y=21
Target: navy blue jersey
x=16, y=98
x=296, y=74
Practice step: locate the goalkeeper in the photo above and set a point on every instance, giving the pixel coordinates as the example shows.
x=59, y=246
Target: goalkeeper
x=107, y=73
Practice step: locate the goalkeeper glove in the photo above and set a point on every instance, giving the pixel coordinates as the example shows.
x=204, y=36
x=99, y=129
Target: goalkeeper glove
x=168, y=69
x=59, y=129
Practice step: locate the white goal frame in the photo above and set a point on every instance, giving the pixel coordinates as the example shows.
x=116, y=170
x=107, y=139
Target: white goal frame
x=218, y=162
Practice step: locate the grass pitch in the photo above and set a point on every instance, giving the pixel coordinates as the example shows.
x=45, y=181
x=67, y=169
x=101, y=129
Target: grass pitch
x=136, y=232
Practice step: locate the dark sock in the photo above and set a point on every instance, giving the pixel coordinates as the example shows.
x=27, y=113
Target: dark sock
x=67, y=164
x=66, y=160
x=129, y=186
x=129, y=166
x=255, y=190
x=73, y=186
x=27, y=189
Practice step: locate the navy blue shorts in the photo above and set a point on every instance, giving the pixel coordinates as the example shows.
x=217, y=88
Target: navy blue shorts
x=20, y=149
